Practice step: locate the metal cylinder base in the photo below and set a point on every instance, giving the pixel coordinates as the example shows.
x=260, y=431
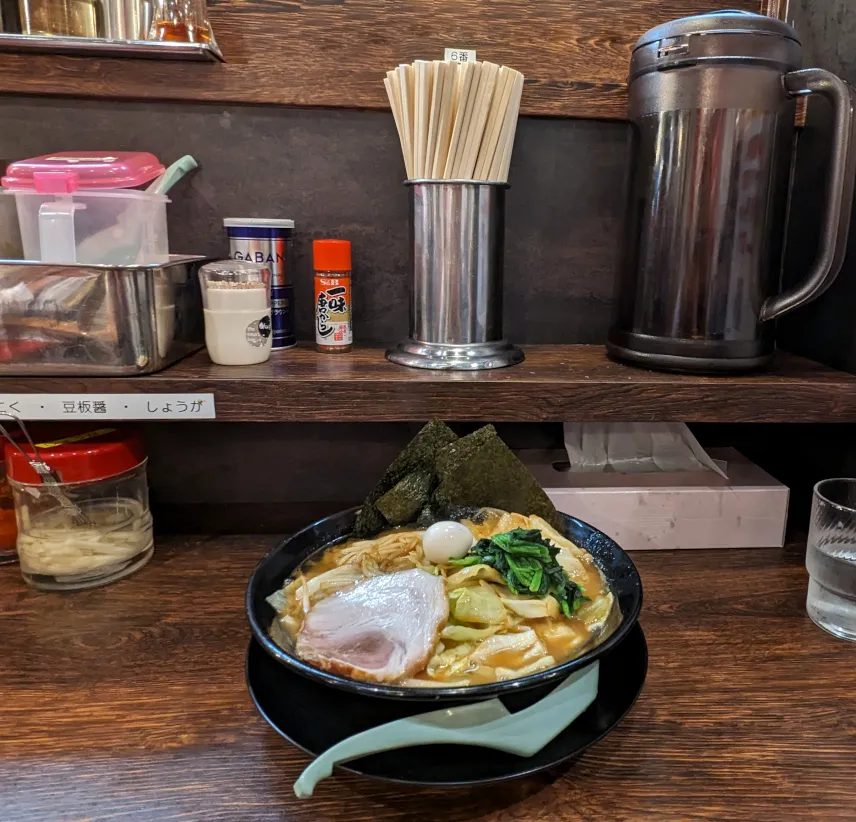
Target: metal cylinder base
x=446, y=357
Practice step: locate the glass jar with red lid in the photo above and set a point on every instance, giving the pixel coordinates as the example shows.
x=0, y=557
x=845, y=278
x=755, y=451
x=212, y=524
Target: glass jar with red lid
x=8, y=524
x=93, y=525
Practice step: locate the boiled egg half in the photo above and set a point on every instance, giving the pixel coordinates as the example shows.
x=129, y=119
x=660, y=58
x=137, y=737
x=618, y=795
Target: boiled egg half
x=445, y=541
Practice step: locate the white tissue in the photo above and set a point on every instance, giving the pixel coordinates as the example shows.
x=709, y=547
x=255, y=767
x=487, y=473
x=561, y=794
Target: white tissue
x=635, y=447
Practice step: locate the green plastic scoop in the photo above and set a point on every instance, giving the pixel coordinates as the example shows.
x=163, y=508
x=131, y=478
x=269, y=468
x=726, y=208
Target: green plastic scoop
x=180, y=168
x=485, y=724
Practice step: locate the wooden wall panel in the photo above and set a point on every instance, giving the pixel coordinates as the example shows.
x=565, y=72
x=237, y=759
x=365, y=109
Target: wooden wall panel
x=334, y=52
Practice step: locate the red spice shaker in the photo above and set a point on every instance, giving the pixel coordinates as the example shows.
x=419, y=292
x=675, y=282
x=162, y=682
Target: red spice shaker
x=333, y=319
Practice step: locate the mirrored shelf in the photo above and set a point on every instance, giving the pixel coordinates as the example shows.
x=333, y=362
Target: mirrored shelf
x=101, y=47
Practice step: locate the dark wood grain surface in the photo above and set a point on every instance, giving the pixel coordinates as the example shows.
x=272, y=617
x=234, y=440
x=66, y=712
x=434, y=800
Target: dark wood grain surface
x=128, y=703
x=556, y=382
x=335, y=52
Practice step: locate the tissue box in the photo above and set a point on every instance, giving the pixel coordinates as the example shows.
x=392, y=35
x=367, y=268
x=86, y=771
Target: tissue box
x=667, y=511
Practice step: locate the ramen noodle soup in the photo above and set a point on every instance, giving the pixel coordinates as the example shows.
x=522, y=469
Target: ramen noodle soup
x=515, y=599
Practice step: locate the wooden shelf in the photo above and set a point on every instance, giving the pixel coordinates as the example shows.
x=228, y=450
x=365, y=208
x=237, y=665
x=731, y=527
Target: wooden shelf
x=556, y=382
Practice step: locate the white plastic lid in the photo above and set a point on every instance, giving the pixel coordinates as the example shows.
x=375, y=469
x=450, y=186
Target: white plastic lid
x=256, y=222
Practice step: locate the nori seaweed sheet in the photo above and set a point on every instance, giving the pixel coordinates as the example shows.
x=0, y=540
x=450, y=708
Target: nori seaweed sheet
x=369, y=521
x=434, y=512
x=459, y=512
x=419, y=455
x=429, y=515
x=404, y=500
x=473, y=471
x=492, y=476
x=458, y=452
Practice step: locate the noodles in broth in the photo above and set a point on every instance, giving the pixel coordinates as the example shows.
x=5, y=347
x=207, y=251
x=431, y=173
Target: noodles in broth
x=492, y=634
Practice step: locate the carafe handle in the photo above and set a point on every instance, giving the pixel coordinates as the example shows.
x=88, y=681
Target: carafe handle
x=839, y=190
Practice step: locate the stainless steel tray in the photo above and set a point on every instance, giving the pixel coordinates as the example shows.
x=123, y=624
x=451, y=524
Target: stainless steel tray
x=98, y=320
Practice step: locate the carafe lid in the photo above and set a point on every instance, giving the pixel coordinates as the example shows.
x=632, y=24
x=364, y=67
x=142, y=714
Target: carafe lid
x=728, y=21
x=68, y=171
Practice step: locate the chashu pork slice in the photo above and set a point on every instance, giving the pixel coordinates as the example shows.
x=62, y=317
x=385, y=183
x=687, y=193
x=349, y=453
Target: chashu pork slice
x=382, y=629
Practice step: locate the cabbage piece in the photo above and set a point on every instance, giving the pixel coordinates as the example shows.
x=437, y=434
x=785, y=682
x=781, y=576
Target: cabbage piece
x=595, y=614
x=482, y=675
x=551, y=534
x=291, y=624
x=460, y=667
x=509, y=521
x=425, y=683
x=533, y=608
x=445, y=659
x=513, y=673
x=323, y=585
x=472, y=573
x=572, y=565
x=510, y=650
x=463, y=633
x=480, y=605
x=563, y=637
x=280, y=635
x=412, y=560
x=503, y=656
x=331, y=581
x=478, y=675
x=277, y=601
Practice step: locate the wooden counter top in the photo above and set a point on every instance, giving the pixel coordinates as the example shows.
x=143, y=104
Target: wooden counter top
x=128, y=703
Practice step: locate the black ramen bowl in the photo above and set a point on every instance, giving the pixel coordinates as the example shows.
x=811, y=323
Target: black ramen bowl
x=286, y=558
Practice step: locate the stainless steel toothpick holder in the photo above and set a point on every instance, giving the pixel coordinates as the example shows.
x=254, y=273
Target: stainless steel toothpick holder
x=457, y=232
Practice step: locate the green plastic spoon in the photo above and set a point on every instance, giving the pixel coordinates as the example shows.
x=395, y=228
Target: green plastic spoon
x=181, y=167
x=485, y=724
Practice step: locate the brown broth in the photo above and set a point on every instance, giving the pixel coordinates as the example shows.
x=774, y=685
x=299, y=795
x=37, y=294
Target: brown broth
x=563, y=637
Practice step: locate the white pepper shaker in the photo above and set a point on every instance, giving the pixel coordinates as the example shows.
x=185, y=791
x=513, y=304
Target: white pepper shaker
x=237, y=310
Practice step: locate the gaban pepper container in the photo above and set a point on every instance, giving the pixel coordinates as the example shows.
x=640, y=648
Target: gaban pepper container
x=85, y=207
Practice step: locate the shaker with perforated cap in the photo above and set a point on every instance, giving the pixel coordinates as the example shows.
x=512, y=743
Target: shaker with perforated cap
x=236, y=301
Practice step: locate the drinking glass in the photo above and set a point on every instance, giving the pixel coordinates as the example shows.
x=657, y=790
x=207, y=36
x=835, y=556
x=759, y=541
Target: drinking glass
x=831, y=557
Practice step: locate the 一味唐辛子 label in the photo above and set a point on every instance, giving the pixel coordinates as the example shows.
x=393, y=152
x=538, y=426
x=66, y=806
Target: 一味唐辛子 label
x=333, y=311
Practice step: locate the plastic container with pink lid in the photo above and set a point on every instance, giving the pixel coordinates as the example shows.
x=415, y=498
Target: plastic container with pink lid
x=87, y=207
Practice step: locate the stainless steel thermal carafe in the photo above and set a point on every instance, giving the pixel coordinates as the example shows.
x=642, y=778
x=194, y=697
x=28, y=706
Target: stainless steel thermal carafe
x=712, y=105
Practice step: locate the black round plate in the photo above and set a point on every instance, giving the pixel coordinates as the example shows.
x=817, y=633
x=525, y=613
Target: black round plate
x=315, y=717
x=280, y=563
